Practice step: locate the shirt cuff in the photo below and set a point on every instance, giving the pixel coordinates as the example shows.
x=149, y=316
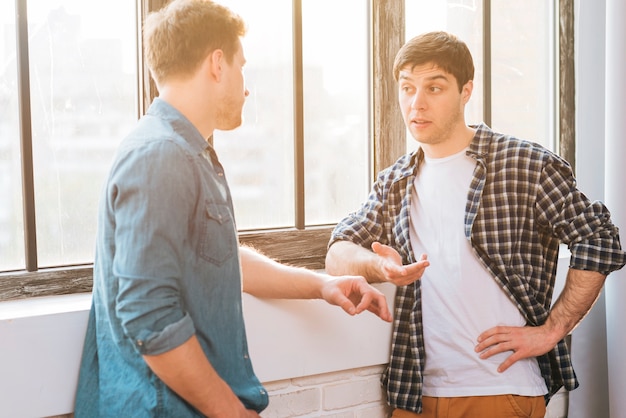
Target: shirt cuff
x=149, y=342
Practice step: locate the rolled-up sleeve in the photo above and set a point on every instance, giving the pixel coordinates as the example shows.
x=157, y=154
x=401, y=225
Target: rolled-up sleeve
x=602, y=252
x=363, y=226
x=584, y=225
x=152, y=196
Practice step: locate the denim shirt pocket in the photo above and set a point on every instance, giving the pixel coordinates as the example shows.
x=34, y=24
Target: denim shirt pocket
x=219, y=238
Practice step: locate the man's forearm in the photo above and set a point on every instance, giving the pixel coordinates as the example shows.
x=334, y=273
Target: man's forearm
x=581, y=291
x=266, y=278
x=345, y=257
x=188, y=372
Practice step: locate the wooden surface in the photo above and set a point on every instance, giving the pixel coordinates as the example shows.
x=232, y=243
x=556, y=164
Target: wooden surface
x=567, y=92
x=300, y=248
x=387, y=37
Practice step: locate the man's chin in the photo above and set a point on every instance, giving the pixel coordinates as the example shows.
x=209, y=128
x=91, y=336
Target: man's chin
x=230, y=126
x=419, y=138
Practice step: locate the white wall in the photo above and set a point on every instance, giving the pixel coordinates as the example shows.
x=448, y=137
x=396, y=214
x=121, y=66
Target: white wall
x=41, y=341
x=615, y=126
x=598, y=342
x=589, y=344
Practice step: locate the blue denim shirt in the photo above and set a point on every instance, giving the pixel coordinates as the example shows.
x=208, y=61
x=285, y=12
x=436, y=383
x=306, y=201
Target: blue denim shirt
x=166, y=267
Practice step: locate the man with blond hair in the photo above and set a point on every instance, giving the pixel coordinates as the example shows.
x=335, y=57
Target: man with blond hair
x=166, y=335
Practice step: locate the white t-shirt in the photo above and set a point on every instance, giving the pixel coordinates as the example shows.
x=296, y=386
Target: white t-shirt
x=460, y=298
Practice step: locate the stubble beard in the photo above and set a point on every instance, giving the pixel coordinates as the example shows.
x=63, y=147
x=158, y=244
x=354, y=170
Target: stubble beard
x=443, y=132
x=230, y=116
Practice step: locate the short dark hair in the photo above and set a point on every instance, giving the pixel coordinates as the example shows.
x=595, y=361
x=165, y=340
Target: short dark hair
x=443, y=49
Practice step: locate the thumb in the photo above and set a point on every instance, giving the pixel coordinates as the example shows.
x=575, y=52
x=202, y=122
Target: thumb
x=383, y=250
x=378, y=248
x=391, y=260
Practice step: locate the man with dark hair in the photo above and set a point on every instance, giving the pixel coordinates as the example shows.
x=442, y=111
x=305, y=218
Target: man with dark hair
x=475, y=332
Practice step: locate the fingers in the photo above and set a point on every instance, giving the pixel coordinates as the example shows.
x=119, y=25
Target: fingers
x=498, y=348
x=491, y=337
x=392, y=268
x=522, y=342
x=383, y=313
x=354, y=295
x=373, y=300
x=404, y=275
x=346, y=304
x=347, y=292
x=493, y=341
x=510, y=360
x=376, y=304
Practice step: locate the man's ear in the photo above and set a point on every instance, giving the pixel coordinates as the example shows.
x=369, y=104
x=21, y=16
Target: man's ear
x=466, y=91
x=214, y=63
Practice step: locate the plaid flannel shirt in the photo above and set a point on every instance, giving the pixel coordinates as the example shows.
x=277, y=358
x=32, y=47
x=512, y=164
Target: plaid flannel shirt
x=522, y=203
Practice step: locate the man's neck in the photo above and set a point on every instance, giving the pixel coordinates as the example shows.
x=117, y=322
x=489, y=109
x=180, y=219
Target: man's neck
x=185, y=100
x=457, y=142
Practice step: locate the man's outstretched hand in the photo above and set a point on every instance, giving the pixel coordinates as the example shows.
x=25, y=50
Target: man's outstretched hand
x=391, y=267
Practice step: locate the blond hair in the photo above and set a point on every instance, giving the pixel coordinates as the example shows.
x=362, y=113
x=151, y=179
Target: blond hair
x=178, y=37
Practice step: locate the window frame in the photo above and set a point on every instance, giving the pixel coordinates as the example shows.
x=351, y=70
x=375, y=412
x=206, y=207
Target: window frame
x=306, y=246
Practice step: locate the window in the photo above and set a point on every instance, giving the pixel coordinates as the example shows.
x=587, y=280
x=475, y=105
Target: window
x=321, y=120
x=465, y=20
x=11, y=221
x=523, y=53
x=78, y=97
x=518, y=67
x=307, y=157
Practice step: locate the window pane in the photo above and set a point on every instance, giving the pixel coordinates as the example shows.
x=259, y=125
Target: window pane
x=522, y=69
x=11, y=220
x=336, y=108
x=463, y=18
x=258, y=156
x=83, y=97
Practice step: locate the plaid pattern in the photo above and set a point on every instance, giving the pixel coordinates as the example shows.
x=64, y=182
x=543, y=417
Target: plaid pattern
x=522, y=203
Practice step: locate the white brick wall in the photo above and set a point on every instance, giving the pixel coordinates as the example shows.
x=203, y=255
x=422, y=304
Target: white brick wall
x=353, y=393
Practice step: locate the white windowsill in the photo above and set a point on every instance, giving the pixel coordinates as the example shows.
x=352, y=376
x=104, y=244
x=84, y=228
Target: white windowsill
x=41, y=343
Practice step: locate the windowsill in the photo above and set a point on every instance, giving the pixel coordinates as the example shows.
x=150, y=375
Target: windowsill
x=42, y=341
x=304, y=248
x=44, y=305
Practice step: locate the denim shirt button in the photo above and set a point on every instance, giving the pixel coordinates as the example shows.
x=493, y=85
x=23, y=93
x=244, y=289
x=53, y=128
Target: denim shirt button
x=246, y=356
x=139, y=343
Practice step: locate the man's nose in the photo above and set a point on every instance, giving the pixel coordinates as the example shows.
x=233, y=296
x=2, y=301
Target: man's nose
x=419, y=101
